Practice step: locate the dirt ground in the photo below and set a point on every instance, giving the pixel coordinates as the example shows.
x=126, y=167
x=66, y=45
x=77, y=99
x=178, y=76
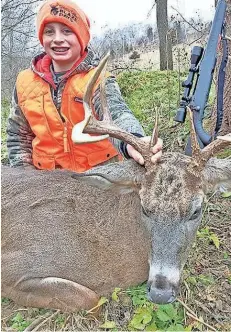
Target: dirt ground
x=210, y=296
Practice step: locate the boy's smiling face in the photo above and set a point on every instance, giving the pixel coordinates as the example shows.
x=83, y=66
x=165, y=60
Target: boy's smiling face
x=62, y=45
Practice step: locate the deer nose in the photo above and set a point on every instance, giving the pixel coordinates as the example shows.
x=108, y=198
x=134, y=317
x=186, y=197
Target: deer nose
x=161, y=291
x=161, y=296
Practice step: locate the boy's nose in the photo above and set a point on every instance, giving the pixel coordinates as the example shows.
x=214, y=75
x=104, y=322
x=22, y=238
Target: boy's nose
x=58, y=37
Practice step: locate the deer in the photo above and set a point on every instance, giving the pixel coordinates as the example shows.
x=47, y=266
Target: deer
x=68, y=238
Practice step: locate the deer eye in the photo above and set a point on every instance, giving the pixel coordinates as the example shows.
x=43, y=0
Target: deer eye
x=196, y=214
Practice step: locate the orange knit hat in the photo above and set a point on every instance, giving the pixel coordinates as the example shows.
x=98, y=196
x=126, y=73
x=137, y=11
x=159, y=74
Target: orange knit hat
x=68, y=13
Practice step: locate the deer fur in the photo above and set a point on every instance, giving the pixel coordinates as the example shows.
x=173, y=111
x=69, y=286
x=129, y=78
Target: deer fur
x=66, y=241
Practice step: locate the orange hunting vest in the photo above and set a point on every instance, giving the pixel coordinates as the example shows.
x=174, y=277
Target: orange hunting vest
x=52, y=145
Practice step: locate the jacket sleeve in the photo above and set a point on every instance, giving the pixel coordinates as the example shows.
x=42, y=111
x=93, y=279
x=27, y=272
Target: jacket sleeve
x=121, y=115
x=19, y=136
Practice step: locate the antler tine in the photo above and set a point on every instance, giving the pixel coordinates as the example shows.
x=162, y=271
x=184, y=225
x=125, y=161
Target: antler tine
x=217, y=145
x=87, y=95
x=226, y=138
x=197, y=162
x=77, y=132
x=154, y=137
x=103, y=99
x=196, y=151
x=92, y=126
x=200, y=157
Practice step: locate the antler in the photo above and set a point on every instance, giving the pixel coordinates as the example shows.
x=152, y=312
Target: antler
x=154, y=137
x=90, y=125
x=200, y=157
x=216, y=146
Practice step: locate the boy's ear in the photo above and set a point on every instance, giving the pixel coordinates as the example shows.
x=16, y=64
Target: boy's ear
x=217, y=174
x=123, y=177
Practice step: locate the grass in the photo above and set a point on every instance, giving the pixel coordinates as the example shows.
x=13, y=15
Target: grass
x=206, y=286
x=146, y=91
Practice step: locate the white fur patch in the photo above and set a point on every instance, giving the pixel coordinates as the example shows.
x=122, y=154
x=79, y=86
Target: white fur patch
x=171, y=273
x=54, y=280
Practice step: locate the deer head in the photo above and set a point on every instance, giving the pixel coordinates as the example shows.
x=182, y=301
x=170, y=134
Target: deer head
x=171, y=192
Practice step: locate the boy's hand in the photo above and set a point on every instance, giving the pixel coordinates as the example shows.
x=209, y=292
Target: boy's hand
x=156, y=150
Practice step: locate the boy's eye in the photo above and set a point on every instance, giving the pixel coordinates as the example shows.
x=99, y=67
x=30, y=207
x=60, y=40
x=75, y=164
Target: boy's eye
x=48, y=31
x=67, y=31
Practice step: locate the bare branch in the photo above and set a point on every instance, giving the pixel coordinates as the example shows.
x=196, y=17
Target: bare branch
x=191, y=25
x=150, y=11
x=17, y=23
x=203, y=34
x=7, y=6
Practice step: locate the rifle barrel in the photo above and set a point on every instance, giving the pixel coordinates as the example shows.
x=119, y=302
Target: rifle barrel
x=205, y=75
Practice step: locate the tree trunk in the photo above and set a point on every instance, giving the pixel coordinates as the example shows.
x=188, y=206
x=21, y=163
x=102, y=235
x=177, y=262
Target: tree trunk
x=226, y=123
x=165, y=42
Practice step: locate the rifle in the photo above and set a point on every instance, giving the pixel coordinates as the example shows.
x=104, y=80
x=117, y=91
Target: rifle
x=203, y=62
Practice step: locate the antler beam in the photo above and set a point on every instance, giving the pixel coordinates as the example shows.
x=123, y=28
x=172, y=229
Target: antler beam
x=200, y=157
x=106, y=128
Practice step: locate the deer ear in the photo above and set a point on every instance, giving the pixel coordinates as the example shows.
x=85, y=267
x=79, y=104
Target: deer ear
x=122, y=177
x=217, y=174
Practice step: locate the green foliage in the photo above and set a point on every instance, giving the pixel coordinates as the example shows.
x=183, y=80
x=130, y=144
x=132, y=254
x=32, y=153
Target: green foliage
x=115, y=294
x=206, y=279
x=192, y=280
x=205, y=233
x=225, y=153
x=5, y=300
x=226, y=194
x=150, y=317
x=108, y=325
x=101, y=302
x=225, y=255
x=201, y=279
x=143, y=91
x=60, y=321
x=19, y=323
x=138, y=294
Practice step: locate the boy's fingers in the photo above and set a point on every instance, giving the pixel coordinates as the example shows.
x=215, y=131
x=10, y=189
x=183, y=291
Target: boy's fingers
x=135, y=155
x=158, y=146
x=156, y=157
x=156, y=150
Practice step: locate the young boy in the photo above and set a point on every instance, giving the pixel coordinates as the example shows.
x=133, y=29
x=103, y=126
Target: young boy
x=47, y=99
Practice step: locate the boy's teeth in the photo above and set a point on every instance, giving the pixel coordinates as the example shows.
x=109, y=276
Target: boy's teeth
x=60, y=49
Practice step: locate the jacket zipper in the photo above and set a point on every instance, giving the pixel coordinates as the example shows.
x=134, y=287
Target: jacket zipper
x=65, y=139
x=63, y=118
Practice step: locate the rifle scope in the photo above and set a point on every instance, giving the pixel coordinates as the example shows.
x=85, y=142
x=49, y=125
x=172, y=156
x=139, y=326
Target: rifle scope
x=196, y=55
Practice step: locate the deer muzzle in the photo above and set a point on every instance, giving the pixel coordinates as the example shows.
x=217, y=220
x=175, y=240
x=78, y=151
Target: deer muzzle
x=163, y=285
x=161, y=291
